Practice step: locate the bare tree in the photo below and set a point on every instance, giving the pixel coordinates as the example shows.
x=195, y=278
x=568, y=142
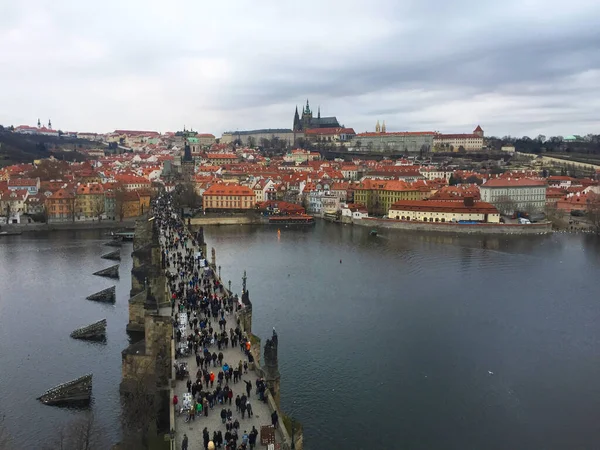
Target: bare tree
x=505, y=205
x=140, y=403
x=82, y=433
x=120, y=202
x=98, y=206
x=555, y=215
x=186, y=196
x=593, y=211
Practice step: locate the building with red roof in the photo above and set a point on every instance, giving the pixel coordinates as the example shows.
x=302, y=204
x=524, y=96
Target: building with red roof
x=399, y=141
x=454, y=142
x=439, y=211
x=224, y=197
x=510, y=195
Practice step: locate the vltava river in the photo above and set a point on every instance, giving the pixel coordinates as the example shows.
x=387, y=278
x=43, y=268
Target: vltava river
x=427, y=341
x=412, y=342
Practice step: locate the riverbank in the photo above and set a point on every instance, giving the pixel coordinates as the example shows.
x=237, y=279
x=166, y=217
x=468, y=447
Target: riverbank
x=37, y=227
x=449, y=227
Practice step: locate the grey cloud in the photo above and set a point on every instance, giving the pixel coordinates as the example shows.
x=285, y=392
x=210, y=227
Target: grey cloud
x=361, y=61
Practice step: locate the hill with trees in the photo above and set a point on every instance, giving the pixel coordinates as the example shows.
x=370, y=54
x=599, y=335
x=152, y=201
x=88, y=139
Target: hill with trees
x=24, y=148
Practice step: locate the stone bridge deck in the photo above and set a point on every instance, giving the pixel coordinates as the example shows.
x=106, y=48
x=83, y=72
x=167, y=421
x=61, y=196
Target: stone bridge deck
x=193, y=429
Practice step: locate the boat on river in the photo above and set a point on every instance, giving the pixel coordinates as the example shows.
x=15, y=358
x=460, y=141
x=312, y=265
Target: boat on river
x=123, y=235
x=10, y=233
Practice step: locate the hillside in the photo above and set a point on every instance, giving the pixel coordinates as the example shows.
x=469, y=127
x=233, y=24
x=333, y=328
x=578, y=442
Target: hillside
x=23, y=148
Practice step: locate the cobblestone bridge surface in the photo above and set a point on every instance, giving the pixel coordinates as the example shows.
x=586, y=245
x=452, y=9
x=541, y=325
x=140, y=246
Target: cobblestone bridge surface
x=232, y=356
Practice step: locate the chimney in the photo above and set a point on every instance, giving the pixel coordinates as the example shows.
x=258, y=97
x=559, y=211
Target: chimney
x=469, y=202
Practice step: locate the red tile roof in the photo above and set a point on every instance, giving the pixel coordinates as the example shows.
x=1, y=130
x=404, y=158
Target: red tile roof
x=228, y=189
x=397, y=133
x=23, y=182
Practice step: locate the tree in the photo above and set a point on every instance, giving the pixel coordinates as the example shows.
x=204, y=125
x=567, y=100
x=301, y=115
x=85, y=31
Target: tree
x=461, y=149
x=49, y=170
x=505, y=205
x=80, y=434
x=251, y=142
x=474, y=179
x=358, y=145
x=265, y=143
x=120, y=202
x=98, y=206
x=593, y=211
x=186, y=196
x=140, y=402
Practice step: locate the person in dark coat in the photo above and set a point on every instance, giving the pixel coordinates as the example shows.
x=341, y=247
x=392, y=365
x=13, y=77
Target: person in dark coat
x=184, y=443
x=206, y=438
x=274, y=419
x=252, y=437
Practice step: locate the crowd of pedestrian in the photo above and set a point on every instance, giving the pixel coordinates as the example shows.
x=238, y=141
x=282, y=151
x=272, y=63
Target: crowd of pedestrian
x=205, y=327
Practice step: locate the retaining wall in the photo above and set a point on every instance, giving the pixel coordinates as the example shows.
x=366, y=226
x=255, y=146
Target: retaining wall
x=448, y=227
x=226, y=220
x=101, y=225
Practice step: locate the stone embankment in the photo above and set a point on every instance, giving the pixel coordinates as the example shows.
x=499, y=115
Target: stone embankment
x=456, y=228
x=97, y=225
x=226, y=220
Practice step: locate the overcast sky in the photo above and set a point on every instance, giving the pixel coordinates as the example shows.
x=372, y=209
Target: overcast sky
x=519, y=67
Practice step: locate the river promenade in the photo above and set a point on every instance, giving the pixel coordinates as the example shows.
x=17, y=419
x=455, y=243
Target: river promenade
x=185, y=258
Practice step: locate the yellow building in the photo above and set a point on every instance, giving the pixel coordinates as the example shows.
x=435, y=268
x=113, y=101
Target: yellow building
x=436, y=211
x=228, y=196
x=89, y=201
x=379, y=195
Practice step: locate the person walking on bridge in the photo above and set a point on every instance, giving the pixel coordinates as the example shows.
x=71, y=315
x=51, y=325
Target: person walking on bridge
x=184, y=443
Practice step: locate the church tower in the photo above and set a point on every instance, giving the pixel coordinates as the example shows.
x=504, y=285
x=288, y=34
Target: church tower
x=306, y=117
x=383, y=127
x=188, y=167
x=378, y=128
x=297, y=123
x=39, y=124
x=49, y=124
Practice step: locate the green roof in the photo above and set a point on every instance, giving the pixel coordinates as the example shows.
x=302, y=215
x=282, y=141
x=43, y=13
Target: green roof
x=193, y=140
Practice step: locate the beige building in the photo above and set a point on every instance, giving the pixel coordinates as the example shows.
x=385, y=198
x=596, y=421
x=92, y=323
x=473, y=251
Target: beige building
x=454, y=142
x=299, y=156
x=435, y=173
x=255, y=136
x=510, y=195
x=404, y=141
x=434, y=211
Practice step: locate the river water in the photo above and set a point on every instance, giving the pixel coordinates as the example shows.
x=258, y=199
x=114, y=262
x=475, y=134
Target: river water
x=413, y=341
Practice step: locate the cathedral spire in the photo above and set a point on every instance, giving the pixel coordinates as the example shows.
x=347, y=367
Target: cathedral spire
x=378, y=128
x=319, y=112
x=39, y=124
x=297, y=124
x=307, y=111
x=383, y=127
